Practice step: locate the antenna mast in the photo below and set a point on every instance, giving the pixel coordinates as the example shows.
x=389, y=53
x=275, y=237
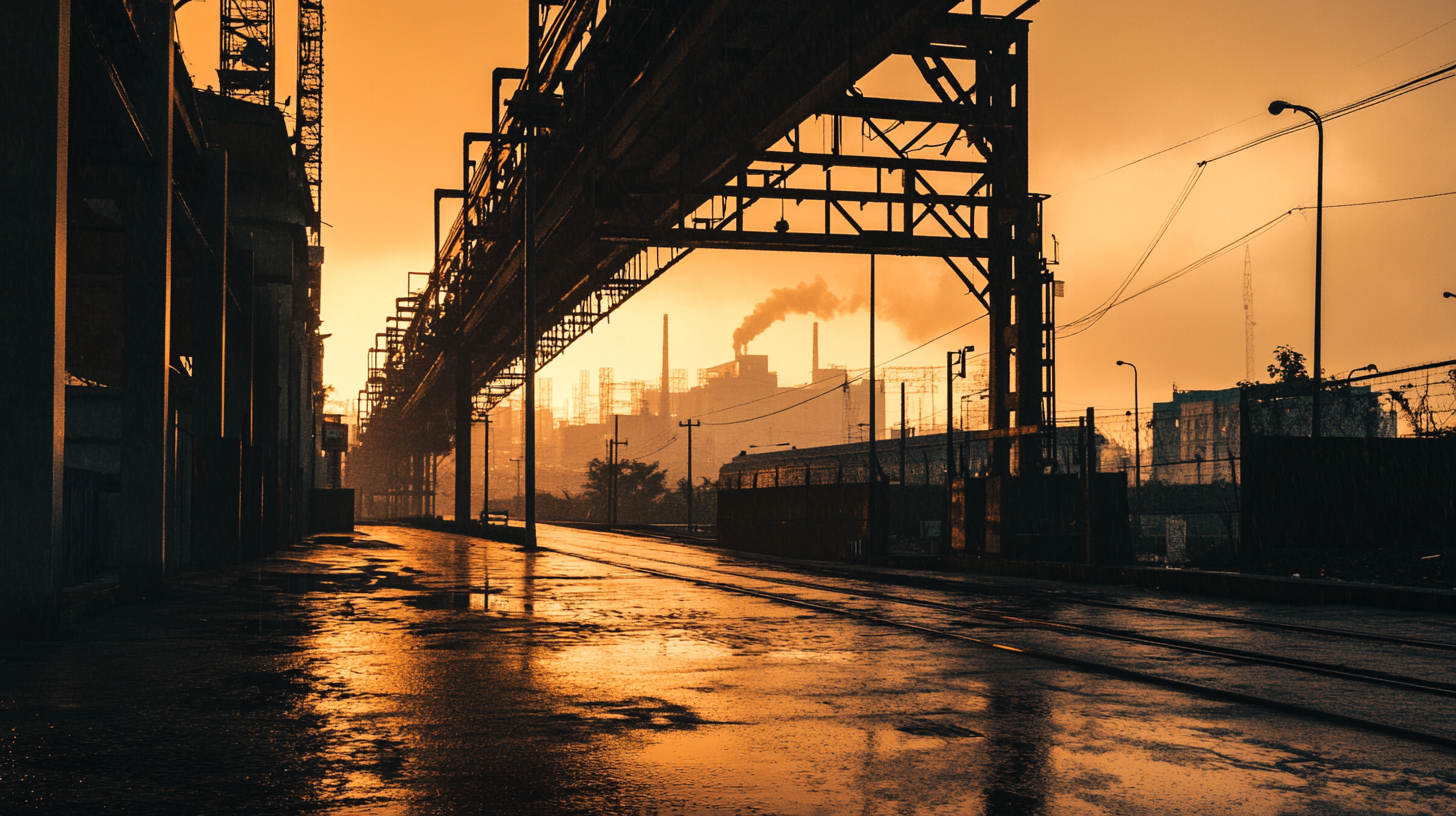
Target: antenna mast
x=1248, y=317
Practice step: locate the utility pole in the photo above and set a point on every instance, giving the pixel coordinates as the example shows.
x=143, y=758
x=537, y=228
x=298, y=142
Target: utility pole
x=903, y=480
x=952, y=359
x=614, y=457
x=690, y=425
x=485, y=476
x=871, y=517
x=1137, y=440
x=1089, y=470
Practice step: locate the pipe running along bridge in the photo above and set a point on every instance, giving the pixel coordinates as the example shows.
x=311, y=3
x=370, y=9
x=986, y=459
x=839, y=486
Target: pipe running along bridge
x=641, y=130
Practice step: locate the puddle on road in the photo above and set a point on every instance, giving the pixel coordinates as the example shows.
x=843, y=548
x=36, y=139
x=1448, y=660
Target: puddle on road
x=932, y=728
x=644, y=712
x=824, y=729
x=355, y=542
x=474, y=600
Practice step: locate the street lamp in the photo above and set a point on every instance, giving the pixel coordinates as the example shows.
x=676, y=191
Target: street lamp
x=1277, y=107
x=1137, y=443
x=951, y=359
x=1448, y=294
x=1371, y=367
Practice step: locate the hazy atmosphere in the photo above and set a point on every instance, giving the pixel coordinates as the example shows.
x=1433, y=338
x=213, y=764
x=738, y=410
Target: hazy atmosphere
x=789, y=408
x=1112, y=83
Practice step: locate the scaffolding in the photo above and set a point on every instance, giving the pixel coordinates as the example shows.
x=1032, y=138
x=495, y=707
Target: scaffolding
x=606, y=390
x=248, y=51
x=309, y=105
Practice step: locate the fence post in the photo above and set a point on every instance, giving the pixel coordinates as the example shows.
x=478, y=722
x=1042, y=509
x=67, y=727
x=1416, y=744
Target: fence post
x=1089, y=467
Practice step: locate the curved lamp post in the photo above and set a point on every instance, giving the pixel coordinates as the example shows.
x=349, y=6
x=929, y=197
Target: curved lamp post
x=1370, y=367
x=1277, y=107
x=1137, y=443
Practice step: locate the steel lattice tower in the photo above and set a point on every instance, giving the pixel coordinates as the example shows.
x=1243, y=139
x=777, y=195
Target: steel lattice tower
x=309, y=105
x=1248, y=316
x=248, y=52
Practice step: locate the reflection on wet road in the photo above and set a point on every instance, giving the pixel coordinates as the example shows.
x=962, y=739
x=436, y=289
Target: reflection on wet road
x=403, y=671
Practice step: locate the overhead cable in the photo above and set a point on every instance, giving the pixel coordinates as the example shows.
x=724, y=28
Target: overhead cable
x=1426, y=80
x=1089, y=320
x=1111, y=300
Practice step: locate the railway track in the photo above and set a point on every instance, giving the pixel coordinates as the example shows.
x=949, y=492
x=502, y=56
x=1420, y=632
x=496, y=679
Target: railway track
x=949, y=586
x=1005, y=623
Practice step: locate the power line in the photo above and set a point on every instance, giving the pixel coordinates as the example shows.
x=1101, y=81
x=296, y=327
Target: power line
x=1407, y=42
x=1159, y=153
x=1086, y=322
x=1187, y=142
x=1426, y=80
x=1081, y=324
x=771, y=396
x=1382, y=201
x=1111, y=300
x=665, y=446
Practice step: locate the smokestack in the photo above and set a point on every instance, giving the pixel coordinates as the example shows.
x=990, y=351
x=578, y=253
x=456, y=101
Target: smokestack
x=815, y=370
x=806, y=298
x=665, y=406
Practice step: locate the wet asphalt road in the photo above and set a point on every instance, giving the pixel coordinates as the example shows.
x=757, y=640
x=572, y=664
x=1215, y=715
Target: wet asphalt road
x=406, y=672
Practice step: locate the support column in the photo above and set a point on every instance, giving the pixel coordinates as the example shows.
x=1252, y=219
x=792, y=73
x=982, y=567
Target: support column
x=1015, y=305
x=485, y=470
x=147, y=322
x=1002, y=339
x=1027, y=281
x=35, y=42
x=238, y=411
x=528, y=280
x=209, y=304
x=463, y=408
x=216, y=463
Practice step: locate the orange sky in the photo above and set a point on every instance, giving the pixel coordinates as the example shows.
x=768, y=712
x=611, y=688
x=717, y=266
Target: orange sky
x=1111, y=81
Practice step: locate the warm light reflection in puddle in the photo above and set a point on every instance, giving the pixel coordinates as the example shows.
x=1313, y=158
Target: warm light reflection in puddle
x=720, y=703
x=1189, y=765
x=597, y=666
x=806, y=655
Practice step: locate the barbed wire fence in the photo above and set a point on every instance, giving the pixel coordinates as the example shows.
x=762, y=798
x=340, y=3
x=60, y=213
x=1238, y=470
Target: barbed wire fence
x=1187, y=508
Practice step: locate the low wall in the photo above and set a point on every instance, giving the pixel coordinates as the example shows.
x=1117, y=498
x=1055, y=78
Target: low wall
x=1344, y=495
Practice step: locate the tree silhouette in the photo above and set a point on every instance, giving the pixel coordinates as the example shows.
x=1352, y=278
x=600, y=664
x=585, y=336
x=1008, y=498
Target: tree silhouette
x=1288, y=366
x=641, y=487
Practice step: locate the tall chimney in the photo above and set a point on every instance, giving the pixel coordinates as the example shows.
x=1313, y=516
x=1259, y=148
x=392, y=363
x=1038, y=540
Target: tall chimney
x=815, y=371
x=665, y=405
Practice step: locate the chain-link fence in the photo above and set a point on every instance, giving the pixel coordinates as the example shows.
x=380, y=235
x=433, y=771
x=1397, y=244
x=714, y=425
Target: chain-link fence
x=1185, y=498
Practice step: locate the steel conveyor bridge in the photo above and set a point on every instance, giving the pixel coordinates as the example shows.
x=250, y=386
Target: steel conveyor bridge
x=641, y=130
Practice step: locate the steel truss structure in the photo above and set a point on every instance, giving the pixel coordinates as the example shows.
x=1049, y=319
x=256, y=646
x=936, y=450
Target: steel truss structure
x=309, y=104
x=248, y=52
x=661, y=128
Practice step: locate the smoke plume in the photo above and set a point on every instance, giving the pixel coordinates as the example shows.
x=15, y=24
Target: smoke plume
x=806, y=298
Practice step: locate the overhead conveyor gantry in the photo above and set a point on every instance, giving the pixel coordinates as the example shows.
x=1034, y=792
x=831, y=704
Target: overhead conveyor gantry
x=659, y=128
